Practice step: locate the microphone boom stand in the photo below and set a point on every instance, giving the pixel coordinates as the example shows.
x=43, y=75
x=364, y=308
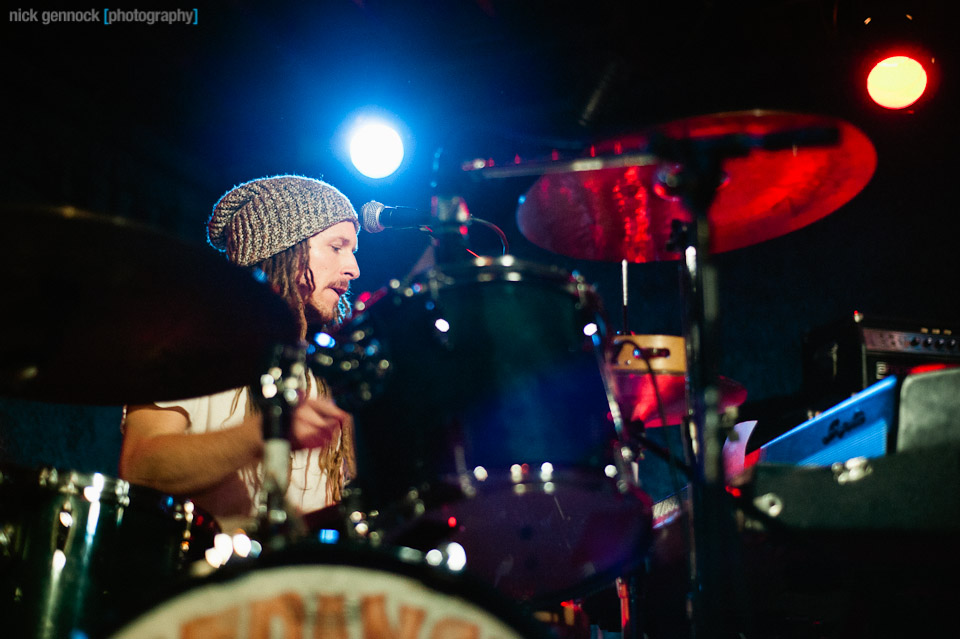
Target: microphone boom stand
x=449, y=229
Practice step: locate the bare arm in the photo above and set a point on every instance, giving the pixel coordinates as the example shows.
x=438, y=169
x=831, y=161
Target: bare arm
x=159, y=452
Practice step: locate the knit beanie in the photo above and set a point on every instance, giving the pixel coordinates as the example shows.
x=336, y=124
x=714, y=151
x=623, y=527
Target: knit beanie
x=263, y=217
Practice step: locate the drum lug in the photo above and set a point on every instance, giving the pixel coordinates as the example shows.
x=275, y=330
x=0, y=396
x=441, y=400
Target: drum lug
x=415, y=503
x=6, y=540
x=358, y=523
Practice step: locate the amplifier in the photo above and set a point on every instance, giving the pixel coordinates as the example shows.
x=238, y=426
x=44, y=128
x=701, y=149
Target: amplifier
x=850, y=355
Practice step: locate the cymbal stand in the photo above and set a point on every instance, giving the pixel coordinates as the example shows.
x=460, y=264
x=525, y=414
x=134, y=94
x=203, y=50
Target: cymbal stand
x=703, y=438
x=630, y=586
x=712, y=526
x=280, y=391
x=626, y=298
x=630, y=592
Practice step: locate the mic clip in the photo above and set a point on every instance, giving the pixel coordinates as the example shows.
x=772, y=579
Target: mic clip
x=450, y=211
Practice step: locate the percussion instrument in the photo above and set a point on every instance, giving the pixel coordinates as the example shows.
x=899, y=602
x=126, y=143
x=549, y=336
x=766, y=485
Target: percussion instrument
x=107, y=311
x=650, y=373
x=339, y=590
x=80, y=550
x=794, y=174
x=484, y=417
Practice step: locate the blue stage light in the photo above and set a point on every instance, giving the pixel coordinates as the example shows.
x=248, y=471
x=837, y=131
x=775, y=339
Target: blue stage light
x=376, y=149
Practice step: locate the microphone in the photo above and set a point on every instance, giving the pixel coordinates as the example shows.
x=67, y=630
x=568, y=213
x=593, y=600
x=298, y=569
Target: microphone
x=374, y=217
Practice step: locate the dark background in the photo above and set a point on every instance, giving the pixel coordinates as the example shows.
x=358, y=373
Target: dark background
x=154, y=122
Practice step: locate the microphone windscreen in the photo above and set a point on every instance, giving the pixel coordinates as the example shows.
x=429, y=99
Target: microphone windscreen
x=370, y=217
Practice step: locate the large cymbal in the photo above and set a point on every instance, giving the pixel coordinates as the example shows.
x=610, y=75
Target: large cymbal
x=621, y=213
x=99, y=310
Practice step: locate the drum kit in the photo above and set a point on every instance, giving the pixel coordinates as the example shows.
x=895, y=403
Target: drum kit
x=501, y=429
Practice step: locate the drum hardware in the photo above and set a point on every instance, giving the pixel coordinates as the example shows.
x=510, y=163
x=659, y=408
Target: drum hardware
x=642, y=443
x=566, y=620
x=735, y=179
x=712, y=524
x=650, y=373
x=281, y=389
x=648, y=349
x=448, y=232
x=629, y=591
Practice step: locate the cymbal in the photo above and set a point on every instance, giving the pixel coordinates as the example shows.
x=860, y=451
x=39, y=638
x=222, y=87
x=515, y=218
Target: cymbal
x=626, y=213
x=100, y=310
x=666, y=354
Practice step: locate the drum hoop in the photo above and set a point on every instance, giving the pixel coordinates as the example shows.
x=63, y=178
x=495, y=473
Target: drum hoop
x=402, y=562
x=482, y=270
x=111, y=489
x=500, y=269
x=64, y=481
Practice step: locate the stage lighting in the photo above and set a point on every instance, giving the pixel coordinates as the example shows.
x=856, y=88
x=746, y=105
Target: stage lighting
x=898, y=68
x=376, y=149
x=896, y=82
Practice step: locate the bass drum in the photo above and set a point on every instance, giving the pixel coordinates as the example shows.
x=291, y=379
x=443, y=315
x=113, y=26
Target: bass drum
x=484, y=418
x=338, y=590
x=80, y=551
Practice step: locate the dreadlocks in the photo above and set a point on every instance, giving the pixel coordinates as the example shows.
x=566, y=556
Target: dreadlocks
x=284, y=272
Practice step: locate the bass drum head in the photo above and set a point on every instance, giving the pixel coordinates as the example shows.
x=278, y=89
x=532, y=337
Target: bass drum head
x=335, y=590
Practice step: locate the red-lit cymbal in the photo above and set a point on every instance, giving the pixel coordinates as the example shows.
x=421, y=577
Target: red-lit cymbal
x=613, y=214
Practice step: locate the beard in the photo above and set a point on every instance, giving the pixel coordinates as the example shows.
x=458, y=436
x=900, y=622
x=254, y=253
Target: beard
x=319, y=319
x=315, y=316
x=325, y=319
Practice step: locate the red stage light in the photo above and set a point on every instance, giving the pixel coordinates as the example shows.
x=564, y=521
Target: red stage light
x=896, y=82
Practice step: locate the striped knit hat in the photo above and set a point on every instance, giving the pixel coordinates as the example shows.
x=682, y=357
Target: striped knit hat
x=262, y=217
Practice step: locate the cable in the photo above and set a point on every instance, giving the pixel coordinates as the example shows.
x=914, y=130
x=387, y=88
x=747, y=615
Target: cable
x=497, y=230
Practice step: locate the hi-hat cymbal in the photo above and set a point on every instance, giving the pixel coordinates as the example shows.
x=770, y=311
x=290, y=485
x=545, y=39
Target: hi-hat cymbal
x=635, y=361
x=99, y=310
x=638, y=398
x=626, y=213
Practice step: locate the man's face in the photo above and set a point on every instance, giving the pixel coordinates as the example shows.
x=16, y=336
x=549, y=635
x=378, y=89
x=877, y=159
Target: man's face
x=333, y=264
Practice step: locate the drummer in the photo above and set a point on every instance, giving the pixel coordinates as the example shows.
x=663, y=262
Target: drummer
x=302, y=234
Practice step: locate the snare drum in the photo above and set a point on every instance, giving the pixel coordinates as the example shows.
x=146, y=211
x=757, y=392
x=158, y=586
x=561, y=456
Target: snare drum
x=81, y=551
x=316, y=590
x=484, y=417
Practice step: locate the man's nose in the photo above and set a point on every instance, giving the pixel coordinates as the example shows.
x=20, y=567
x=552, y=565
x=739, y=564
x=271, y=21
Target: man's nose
x=351, y=269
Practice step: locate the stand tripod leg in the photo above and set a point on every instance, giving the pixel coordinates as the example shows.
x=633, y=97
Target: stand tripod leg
x=630, y=592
